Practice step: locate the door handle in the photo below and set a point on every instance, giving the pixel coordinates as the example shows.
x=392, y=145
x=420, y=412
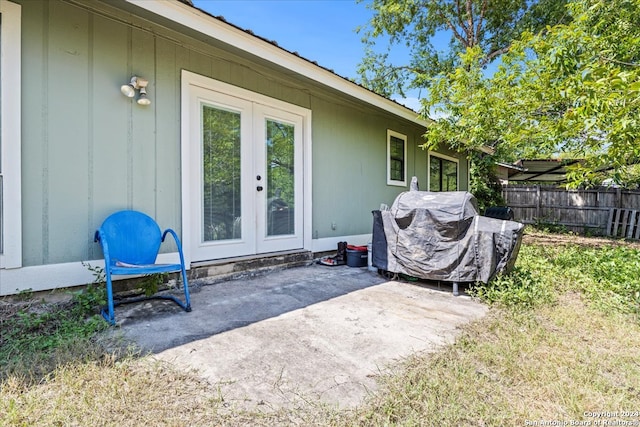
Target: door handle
x=259, y=188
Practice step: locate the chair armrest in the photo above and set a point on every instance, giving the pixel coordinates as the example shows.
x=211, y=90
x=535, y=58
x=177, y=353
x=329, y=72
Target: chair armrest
x=173, y=233
x=99, y=237
x=177, y=240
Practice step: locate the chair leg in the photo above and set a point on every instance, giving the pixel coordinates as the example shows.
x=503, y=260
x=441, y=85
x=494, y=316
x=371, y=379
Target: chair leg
x=109, y=311
x=185, y=285
x=109, y=316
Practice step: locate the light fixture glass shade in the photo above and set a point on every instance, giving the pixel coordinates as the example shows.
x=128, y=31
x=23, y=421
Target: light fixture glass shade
x=143, y=100
x=128, y=90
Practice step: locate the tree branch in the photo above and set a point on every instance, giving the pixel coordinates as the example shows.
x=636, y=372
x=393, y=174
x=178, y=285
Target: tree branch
x=407, y=68
x=469, y=28
x=615, y=61
x=449, y=24
x=459, y=16
x=493, y=54
x=483, y=10
x=458, y=12
x=390, y=70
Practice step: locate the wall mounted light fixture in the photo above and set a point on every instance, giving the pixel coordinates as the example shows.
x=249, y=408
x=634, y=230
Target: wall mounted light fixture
x=136, y=83
x=129, y=90
x=142, y=99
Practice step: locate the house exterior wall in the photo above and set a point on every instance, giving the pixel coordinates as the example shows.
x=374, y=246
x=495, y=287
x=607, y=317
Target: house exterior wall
x=350, y=179
x=88, y=151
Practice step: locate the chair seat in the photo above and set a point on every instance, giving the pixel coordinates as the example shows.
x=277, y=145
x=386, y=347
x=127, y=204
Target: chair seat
x=146, y=269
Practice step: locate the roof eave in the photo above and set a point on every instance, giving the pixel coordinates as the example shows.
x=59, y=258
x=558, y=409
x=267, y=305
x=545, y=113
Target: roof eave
x=486, y=149
x=208, y=25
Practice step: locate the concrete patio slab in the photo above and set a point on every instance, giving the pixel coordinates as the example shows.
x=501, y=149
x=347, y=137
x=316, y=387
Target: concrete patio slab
x=307, y=334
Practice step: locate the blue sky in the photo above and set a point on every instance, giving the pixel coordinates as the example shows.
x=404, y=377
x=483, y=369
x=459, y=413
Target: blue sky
x=319, y=30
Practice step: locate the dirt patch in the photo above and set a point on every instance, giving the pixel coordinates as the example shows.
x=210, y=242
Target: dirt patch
x=545, y=239
x=11, y=307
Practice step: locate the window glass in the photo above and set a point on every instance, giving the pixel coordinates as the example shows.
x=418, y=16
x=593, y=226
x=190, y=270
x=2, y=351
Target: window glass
x=396, y=158
x=443, y=174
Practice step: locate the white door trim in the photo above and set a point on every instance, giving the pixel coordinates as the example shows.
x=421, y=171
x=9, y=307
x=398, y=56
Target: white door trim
x=191, y=80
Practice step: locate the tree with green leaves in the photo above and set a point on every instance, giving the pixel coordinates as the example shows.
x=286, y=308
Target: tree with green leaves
x=571, y=90
x=479, y=33
x=488, y=25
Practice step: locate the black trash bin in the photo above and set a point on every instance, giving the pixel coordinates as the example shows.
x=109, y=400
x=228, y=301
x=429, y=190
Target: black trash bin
x=499, y=212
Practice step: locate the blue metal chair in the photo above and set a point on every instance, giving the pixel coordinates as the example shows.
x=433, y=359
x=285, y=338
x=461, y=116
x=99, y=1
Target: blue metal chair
x=130, y=242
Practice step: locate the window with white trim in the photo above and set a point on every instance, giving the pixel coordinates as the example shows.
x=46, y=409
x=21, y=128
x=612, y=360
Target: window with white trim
x=10, y=122
x=396, y=158
x=443, y=173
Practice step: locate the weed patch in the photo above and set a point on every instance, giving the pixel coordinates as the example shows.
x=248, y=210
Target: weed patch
x=608, y=276
x=35, y=336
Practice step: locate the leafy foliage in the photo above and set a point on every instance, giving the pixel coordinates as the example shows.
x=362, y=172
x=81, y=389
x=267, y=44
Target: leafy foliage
x=150, y=283
x=484, y=183
x=568, y=82
x=571, y=90
x=520, y=290
x=35, y=336
x=526, y=287
x=489, y=26
x=608, y=277
x=479, y=32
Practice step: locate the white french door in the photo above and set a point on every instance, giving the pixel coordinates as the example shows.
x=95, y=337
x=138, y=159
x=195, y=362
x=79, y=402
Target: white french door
x=278, y=165
x=246, y=176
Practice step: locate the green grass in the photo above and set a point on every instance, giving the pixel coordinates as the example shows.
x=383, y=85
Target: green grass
x=554, y=363
x=36, y=337
x=561, y=339
x=607, y=276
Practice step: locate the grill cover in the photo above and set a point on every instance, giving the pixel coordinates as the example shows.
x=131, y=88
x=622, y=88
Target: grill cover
x=440, y=236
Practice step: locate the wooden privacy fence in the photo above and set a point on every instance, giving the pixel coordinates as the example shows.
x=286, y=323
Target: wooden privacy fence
x=601, y=211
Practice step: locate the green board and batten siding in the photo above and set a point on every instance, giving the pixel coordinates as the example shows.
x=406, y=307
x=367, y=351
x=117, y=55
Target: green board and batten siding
x=88, y=151
x=349, y=166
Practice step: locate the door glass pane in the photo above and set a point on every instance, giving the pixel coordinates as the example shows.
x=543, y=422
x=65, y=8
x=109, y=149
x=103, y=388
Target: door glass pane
x=221, y=174
x=280, y=178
